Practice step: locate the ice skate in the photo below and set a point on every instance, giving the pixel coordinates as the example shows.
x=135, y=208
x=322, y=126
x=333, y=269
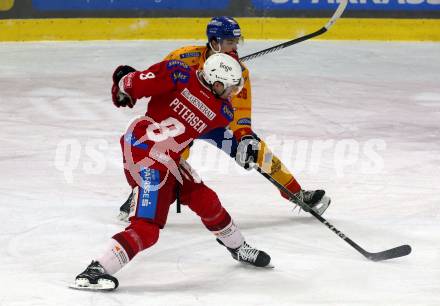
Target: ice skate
x=249, y=255
x=95, y=278
x=315, y=199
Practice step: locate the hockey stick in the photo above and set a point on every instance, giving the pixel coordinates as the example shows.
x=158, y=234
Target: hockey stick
x=178, y=203
x=286, y=44
x=399, y=251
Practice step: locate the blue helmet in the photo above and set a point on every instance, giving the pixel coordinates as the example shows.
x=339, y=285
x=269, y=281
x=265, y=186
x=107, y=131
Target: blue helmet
x=223, y=27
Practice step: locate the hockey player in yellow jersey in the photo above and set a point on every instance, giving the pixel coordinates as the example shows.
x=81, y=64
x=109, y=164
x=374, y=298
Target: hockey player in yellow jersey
x=224, y=35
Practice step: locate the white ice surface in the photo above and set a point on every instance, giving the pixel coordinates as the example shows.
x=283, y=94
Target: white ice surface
x=349, y=94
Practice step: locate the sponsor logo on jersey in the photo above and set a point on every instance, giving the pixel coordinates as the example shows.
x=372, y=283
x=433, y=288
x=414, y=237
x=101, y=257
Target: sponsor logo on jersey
x=244, y=121
x=148, y=194
x=190, y=54
x=198, y=104
x=176, y=63
x=227, y=112
x=127, y=81
x=179, y=76
x=132, y=140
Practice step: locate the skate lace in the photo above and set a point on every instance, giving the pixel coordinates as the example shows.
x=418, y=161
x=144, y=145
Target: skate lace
x=247, y=253
x=95, y=269
x=308, y=196
x=302, y=197
x=298, y=199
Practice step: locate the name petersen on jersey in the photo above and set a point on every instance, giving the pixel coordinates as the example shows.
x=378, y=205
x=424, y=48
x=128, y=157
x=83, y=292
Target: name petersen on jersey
x=188, y=115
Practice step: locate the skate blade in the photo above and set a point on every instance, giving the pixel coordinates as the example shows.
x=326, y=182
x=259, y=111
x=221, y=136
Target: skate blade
x=325, y=203
x=268, y=266
x=110, y=286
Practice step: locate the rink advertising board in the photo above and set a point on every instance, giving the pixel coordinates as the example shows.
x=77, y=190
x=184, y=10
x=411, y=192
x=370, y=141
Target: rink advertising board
x=364, y=5
x=263, y=5
x=29, y=20
x=27, y=9
x=57, y=5
x=245, y=8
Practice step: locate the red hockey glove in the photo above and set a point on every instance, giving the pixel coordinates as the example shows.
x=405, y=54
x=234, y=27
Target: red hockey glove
x=119, y=97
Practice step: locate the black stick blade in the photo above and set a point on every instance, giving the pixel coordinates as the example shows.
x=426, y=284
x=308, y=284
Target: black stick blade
x=396, y=252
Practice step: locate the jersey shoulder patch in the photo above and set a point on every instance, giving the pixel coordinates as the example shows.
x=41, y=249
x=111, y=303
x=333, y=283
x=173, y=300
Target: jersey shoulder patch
x=227, y=111
x=186, y=52
x=180, y=72
x=177, y=64
x=244, y=121
x=190, y=54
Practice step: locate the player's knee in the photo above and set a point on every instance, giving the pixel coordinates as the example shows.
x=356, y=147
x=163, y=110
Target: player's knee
x=206, y=204
x=146, y=233
x=137, y=237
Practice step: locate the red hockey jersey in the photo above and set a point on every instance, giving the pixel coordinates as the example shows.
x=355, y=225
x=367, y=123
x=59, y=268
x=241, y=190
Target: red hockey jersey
x=181, y=109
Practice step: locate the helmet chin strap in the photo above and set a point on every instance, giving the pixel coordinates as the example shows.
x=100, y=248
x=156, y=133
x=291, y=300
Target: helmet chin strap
x=199, y=75
x=219, y=47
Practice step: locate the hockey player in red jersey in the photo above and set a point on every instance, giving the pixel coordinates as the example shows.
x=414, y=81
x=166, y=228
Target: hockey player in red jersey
x=184, y=105
x=247, y=148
